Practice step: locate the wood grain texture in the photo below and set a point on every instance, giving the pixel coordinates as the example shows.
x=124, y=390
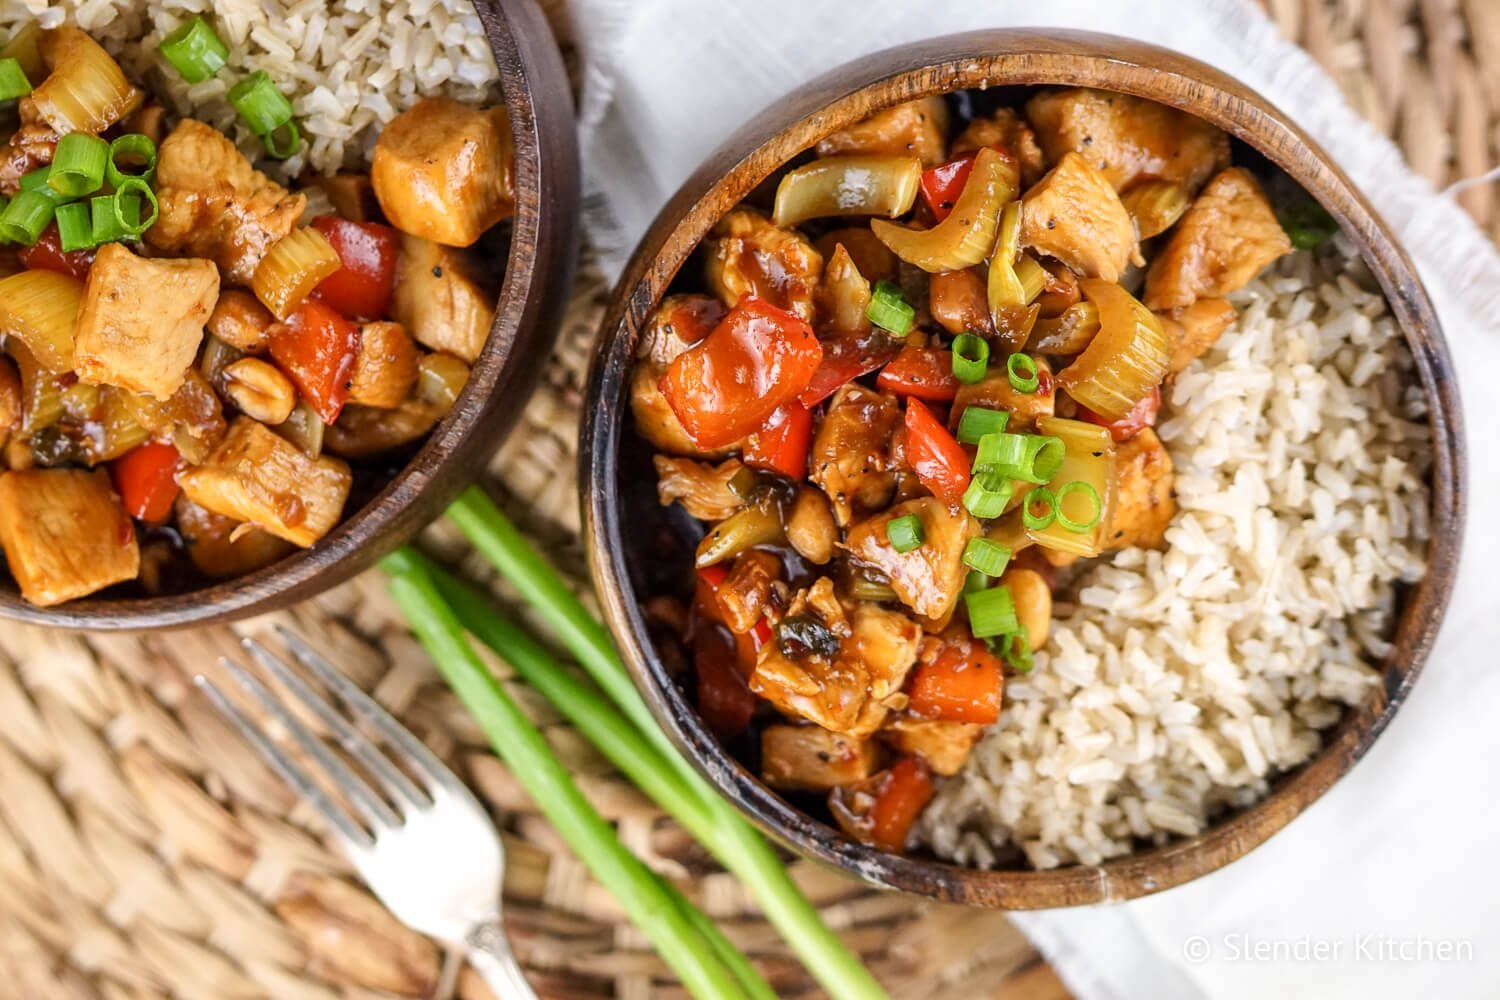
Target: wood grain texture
x=999, y=58
x=538, y=273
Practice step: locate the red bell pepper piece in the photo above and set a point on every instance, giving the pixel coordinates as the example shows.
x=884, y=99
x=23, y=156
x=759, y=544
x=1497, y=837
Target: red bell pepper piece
x=724, y=698
x=941, y=185
x=1142, y=415
x=145, y=479
x=316, y=347
x=725, y=386
x=846, y=358
x=46, y=254
x=903, y=795
x=963, y=683
x=783, y=441
x=937, y=458
x=923, y=372
x=362, y=288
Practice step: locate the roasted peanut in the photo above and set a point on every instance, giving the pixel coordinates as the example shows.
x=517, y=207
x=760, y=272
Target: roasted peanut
x=240, y=320
x=810, y=528
x=260, y=390
x=385, y=368
x=1033, y=601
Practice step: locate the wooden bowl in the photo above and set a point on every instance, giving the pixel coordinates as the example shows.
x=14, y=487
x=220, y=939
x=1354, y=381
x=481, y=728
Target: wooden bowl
x=957, y=62
x=537, y=273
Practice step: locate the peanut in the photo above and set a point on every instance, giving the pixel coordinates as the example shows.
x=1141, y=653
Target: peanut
x=260, y=390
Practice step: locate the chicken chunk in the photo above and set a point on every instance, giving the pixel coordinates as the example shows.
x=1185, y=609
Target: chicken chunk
x=445, y=171
x=810, y=758
x=214, y=204
x=1226, y=238
x=750, y=255
x=1193, y=329
x=994, y=392
x=929, y=578
x=29, y=148
x=1128, y=138
x=65, y=534
x=702, y=489
x=259, y=477
x=1010, y=132
x=438, y=301
x=193, y=418
x=385, y=369
x=851, y=456
x=1074, y=214
x=1144, y=498
x=747, y=592
x=680, y=321
x=221, y=547
x=918, y=128
x=241, y=321
x=141, y=321
x=945, y=746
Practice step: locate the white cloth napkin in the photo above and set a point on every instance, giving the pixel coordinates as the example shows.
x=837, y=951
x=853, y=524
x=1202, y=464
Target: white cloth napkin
x=1384, y=888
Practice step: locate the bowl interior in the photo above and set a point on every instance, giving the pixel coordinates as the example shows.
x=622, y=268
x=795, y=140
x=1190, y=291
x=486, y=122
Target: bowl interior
x=629, y=532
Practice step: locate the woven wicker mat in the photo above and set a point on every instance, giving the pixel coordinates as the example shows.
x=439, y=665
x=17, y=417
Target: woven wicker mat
x=145, y=853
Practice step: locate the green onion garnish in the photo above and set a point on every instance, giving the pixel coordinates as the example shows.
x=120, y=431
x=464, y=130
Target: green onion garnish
x=971, y=358
x=904, y=533
x=1023, y=373
x=264, y=108
x=977, y=422
x=988, y=493
x=975, y=580
x=78, y=165
x=281, y=143
x=1043, y=496
x=986, y=557
x=134, y=223
x=1016, y=648
x=889, y=310
x=1307, y=223
x=103, y=226
x=195, y=51
x=38, y=182
x=1000, y=449
x=25, y=217
x=13, y=82
x=991, y=612
x=1041, y=457
x=133, y=147
x=1083, y=489
x=75, y=231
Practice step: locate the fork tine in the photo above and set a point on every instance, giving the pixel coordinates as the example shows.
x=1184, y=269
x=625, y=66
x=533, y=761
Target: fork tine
x=395, y=734
x=395, y=784
x=370, y=806
x=284, y=766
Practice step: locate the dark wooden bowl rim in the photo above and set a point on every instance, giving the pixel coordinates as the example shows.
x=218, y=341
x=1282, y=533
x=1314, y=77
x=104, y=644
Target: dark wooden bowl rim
x=972, y=60
x=538, y=273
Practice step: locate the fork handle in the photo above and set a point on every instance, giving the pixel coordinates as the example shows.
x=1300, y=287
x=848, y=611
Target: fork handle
x=489, y=953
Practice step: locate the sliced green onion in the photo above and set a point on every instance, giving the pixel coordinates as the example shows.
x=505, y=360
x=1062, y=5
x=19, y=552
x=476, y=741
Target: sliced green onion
x=134, y=146
x=975, y=581
x=264, y=108
x=889, y=310
x=13, y=82
x=971, y=358
x=25, y=217
x=904, y=533
x=103, y=226
x=985, y=556
x=289, y=141
x=991, y=612
x=1041, y=457
x=1005, y=450
x=78, y=165
x=988, y=493
x=1083, y=489
x=978, y=421
x=1048, y=501
x=39, y=182
x=134, y=224
x=75, y=231
x=1023, y=373
x=195, y=51
x=1016, y=648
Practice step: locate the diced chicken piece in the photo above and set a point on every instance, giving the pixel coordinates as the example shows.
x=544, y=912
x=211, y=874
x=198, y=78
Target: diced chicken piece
x=1226, y=238
x=241, y=321
x=438, y=301
x=364, y=432
x=1144, y=497
x=221, y=547
x=851, y=456
x=1009, y=131
x=259, y=477
x=1193, y=329
x=65, y=534
x=957, y=300
x=445, y=171
x=945, y=746
x=385, y=369
x=810, y=758
x=929, y=578
x=192, y=418
x=994, y=392
x=30, y=147
x=141, y=321
x=214, y=204
x=702, y=489
x=746, y=593
x=1128, y=138
x=680, y=321
x=149, y=120
x=1074, y=214
x=917, y=128
x=750, y=255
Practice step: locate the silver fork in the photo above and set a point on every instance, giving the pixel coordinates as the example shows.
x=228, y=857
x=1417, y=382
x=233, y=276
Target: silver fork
x=430, y=853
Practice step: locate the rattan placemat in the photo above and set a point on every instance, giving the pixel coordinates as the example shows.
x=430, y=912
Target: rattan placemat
x=145, y=853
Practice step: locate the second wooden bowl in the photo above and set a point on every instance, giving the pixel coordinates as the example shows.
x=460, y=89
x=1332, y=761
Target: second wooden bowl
x=612, y=511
